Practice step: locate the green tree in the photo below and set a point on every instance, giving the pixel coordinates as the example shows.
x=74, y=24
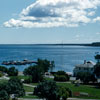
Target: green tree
x=4, y=95
x=63, y=92
x=35, y=72
x=3, y=69
x=12, y=71
x=47, y=90
x=15, y=87
x=50, y=91
x=38, y=70
x=97, y=57
x=46, y=65
x=97, y=69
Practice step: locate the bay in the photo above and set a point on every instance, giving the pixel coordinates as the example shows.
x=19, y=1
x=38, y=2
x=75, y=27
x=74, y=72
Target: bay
x=65, y=57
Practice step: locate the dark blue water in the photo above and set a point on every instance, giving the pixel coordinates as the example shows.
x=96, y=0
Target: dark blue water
x=65, y=57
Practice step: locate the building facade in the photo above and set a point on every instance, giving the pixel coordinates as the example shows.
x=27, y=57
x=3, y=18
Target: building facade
x=85, y=67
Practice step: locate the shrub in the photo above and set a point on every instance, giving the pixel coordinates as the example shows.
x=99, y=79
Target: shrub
x=61, y=73
x=61, y=76
x=4, y=95
x=64, y=94
x=12, y=71
x=86, y=77
x=1, y=74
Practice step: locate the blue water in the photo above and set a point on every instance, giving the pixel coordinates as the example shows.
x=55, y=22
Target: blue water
x=65, y=57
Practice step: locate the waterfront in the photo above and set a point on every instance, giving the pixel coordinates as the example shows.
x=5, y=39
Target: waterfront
x=65, y=57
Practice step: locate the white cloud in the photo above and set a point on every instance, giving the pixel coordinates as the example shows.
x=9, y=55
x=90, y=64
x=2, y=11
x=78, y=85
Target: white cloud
x=55, y=13
x=97, y=19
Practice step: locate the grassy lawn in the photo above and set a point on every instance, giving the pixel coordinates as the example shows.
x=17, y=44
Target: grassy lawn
x=30, y=97
x=92, y=91
x=47, y=78
x=35, y=84
x=3, y=80
x=28, y=89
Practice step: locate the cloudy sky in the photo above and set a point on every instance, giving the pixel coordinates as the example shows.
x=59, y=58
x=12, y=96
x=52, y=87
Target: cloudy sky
x=49, y=21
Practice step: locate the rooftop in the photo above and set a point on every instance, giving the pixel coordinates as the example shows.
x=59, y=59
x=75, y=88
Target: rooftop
x=89, y=64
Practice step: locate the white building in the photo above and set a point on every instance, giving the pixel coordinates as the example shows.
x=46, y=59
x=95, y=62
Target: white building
x=85, y=67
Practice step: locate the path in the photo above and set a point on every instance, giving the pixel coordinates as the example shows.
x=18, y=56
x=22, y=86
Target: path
x=29, y=85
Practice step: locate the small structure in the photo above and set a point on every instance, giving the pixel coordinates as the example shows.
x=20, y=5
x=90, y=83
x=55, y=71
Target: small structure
x=85, y=67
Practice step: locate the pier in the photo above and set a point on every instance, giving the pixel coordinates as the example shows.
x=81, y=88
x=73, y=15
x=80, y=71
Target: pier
x=24, y=62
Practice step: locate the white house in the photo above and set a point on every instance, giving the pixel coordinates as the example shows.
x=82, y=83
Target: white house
x=85, y=67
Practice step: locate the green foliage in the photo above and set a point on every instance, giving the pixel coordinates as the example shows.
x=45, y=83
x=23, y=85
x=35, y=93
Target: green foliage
x=45, y=65
x=16, y=87
x=61, y=73
x=38, y=70
x=35, y=72
x=1, y=74
x=61, y=76
x=97, y=69
x=63, y=92
x=85, y=77
x=4, y=95
x=48, y=90
x=12, y=71
x=13, y=86
x=97, y=57
x=3, y=69
x=4, y=86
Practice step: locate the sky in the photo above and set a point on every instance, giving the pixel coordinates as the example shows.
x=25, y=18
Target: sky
x=49, y=21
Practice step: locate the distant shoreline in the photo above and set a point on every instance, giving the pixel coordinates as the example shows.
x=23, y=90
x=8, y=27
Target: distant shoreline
x=97, y=44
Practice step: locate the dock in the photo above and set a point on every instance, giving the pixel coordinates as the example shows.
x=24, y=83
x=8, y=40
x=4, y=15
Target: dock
x=23, y=62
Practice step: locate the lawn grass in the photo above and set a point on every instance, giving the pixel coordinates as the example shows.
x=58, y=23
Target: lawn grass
x=35, y=84
x=30, y=97
x=92, y=91
x=3, y=81
x=28, y=88
x=47, y=78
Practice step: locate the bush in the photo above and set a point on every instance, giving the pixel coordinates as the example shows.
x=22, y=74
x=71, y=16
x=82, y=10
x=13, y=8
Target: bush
x=4, y=95
x=61, y=73
x=1, y=74
x=64, y=94
x=86, y=77
x=61, y=76
x=12, y=71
